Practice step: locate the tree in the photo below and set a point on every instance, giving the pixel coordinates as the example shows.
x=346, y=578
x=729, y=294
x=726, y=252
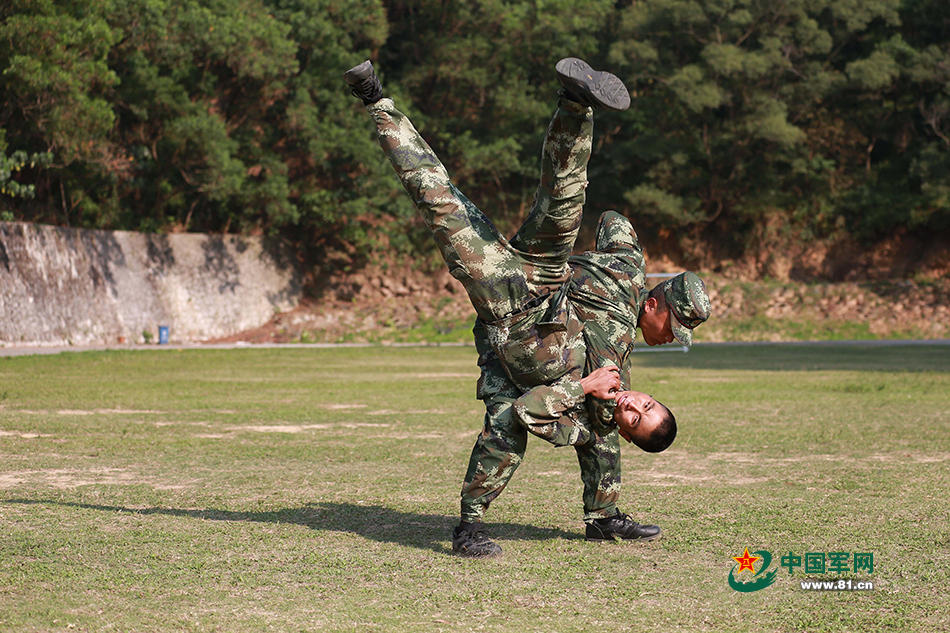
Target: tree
x=54, y=84
x=748, y=108
x=212, y=115
x=481, y=86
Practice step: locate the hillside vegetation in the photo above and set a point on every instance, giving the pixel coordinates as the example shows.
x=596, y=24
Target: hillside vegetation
x=824, y=119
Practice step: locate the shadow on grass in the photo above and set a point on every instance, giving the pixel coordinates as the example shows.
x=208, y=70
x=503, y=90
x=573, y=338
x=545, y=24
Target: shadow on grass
x=424, y=531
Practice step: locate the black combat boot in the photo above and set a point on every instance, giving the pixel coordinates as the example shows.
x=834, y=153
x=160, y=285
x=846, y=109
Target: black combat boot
x=594, y=88
x=471, y=539
x=620, y=526
x=363, y=82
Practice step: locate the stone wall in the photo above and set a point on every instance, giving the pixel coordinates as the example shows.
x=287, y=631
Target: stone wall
x=63, y=286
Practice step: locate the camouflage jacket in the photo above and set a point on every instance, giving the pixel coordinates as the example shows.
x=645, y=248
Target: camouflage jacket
x=606, y=294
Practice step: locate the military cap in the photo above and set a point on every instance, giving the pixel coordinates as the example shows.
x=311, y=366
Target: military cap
x=688, y=303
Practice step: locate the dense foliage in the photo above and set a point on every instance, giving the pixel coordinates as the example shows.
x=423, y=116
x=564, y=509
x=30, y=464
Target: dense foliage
x=215, y=115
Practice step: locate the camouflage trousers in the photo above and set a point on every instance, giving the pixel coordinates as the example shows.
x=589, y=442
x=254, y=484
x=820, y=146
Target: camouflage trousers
x=501, y=277
x=500, y=448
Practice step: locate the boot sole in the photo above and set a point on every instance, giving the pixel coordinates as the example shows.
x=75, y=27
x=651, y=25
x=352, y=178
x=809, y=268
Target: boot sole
x=644, y=539
x=470, y=555
x=605, y=89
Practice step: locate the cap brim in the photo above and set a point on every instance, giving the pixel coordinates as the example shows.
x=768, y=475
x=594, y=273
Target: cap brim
x=680, y=332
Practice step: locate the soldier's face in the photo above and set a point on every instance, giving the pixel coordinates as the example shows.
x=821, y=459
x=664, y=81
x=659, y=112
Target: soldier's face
x=637, y=415
x=655, y=323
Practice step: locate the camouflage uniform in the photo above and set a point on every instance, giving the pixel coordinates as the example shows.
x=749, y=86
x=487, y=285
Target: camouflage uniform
x=518, y=288
x=607, y=292
x=530, y=340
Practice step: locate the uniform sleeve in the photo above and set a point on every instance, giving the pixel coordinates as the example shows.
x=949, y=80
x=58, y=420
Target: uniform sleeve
x=554, y=412
x=600, y=414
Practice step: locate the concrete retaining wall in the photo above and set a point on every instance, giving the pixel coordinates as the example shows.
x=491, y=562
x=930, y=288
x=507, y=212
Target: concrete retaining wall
x=62, y=286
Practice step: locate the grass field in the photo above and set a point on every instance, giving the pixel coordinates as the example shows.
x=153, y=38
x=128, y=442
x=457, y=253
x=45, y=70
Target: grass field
x=315, y=490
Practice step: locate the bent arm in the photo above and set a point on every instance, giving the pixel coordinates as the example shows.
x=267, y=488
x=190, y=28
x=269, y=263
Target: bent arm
x=555, y=412
x=600, y=411
x=549, y=411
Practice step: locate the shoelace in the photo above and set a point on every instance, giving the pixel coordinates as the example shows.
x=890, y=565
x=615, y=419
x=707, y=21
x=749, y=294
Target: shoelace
x=365, y=88
x=622, y=517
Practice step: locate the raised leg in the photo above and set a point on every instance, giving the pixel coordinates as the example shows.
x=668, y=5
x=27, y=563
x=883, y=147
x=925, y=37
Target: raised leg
x=547, y=236
x=491, y=271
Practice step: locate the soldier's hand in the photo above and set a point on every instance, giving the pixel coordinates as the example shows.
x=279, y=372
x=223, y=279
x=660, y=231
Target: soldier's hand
x=602, y=383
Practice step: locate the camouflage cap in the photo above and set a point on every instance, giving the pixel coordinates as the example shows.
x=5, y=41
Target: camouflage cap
x=688, y=303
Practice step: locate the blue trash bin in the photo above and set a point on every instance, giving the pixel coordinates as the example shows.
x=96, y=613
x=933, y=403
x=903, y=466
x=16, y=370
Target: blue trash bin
x=163, y=335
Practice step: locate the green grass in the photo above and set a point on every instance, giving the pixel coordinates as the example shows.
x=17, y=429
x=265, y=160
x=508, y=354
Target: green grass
x=314, y=490
x=759, y=328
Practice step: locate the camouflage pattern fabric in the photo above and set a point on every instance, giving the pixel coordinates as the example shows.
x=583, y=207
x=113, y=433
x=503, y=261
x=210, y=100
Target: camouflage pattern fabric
x=607, y=291
x=501, y=277
x=517, y=288
x=531, y=343
x=497, y=453
x=688, y=302
x=551, y=412
x=500, y=447
x=472, y=249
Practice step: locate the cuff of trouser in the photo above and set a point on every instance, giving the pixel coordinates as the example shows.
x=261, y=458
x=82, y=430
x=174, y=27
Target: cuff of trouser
x=603, y=513
x=573, y=106
x=473, y=513
x=383, y=105
x=580, y=436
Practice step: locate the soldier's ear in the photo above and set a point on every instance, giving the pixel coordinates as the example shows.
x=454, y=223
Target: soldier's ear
x=625, y=434
x=650, y=304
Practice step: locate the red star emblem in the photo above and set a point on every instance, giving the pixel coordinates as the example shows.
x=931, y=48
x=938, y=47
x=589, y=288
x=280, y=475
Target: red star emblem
x=745, y=561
